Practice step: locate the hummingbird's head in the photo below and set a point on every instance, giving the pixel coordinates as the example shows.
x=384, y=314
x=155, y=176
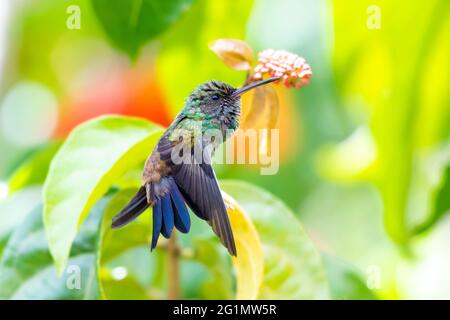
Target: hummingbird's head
x=216, y=98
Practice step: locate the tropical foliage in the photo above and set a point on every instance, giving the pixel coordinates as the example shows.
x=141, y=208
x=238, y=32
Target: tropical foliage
x=356, y=211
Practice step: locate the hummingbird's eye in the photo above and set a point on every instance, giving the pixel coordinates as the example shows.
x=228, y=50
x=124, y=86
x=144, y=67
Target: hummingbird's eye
x=215, y=97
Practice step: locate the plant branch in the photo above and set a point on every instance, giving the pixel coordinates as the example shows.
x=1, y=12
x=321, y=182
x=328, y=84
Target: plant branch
x=174, y=269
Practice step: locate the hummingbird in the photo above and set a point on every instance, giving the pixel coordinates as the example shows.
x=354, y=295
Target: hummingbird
x=169, y=186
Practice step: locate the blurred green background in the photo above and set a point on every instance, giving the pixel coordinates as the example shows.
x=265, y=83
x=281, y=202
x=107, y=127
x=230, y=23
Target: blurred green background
x=365, y=150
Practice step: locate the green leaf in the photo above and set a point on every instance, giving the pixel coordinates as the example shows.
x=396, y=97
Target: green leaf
x=34, y=170
x=113, y=243
x=208, y=274
x=189, y=58
x=219, y=283
x=14, y=209
x=147, y=270
x=292, y=266
x=123, y=289
x=26, y=268
x=441, y=204
x=407, y=120
x=128, y=249
x=346, y=283
x=130, y=24
x=93, y=157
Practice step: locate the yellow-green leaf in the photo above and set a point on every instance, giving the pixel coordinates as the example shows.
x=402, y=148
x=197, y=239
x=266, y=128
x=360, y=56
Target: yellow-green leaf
x=256, y=109
x=34, y=170
x=273, y=108
x=93, y=157
x=249, y=263
x=185, y=62
x=293, y=267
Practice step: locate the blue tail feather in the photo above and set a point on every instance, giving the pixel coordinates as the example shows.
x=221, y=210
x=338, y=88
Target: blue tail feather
x=157, y=223
x=181, y=214
x=167, y=213
x=170, y=211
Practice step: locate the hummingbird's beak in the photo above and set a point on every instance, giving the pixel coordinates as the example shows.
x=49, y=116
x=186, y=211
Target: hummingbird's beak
x=240, y=91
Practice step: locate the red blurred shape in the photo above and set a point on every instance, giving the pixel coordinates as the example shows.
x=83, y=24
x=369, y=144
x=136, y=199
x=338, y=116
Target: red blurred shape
x=131, y=92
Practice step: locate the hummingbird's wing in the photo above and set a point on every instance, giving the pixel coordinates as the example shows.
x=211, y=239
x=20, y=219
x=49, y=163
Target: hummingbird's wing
x=192, y=181
x=198, y=185
x=132, y=210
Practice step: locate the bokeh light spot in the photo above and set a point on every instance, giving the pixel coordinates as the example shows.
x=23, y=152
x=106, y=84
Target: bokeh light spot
x=4, y=190
x=28, y=114
x=119, y=273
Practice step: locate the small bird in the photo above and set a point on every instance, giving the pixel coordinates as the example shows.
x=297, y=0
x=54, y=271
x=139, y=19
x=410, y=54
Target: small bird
x=168, y=184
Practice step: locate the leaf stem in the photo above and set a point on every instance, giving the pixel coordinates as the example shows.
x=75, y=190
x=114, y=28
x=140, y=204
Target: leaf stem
x=174, y=269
